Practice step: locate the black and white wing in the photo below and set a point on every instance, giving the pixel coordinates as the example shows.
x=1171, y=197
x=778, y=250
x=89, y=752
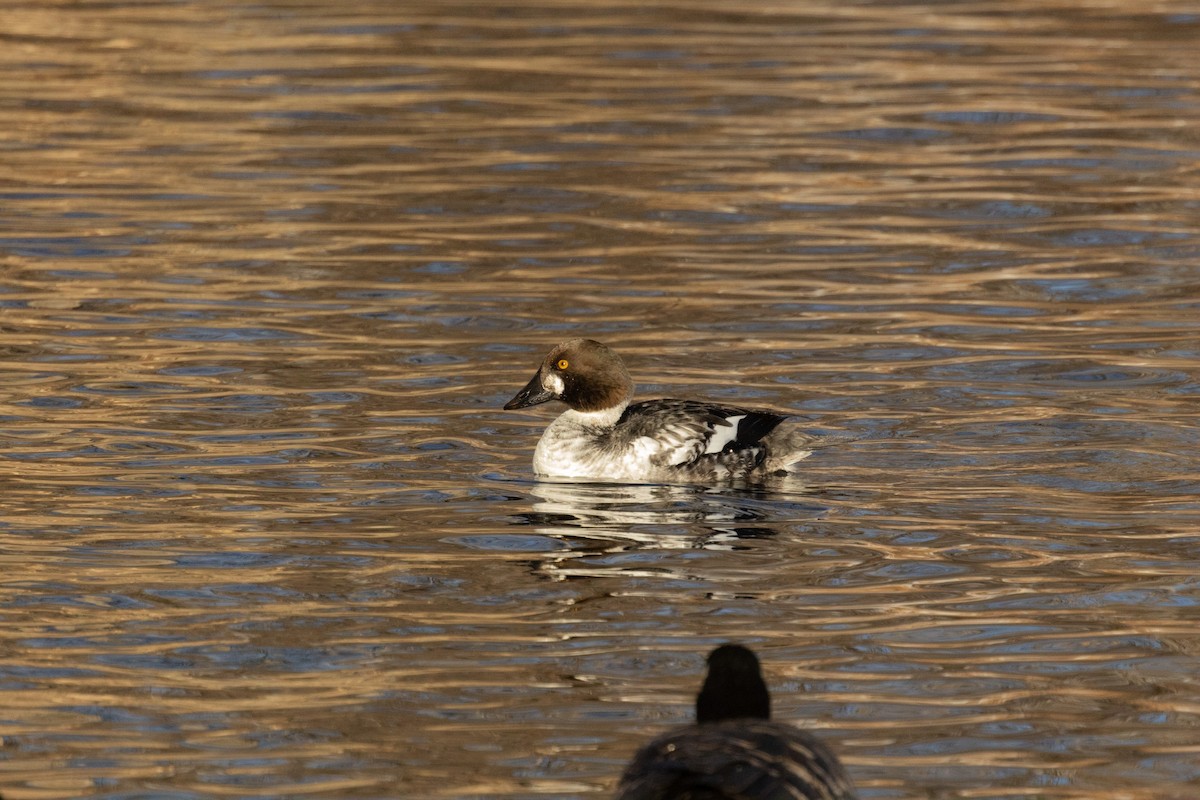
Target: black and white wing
x=678, y=432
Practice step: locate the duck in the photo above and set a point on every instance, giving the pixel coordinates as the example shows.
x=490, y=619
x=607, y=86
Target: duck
x=604, y=436
x=735, y=751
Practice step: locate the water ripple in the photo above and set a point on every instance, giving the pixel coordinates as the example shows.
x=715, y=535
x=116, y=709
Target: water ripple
x=271, y=270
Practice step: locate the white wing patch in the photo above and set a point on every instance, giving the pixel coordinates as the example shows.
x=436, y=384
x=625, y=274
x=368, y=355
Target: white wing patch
x=723, y=436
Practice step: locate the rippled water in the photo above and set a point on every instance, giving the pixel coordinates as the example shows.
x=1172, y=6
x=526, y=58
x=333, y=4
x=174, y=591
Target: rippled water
x=270, y=270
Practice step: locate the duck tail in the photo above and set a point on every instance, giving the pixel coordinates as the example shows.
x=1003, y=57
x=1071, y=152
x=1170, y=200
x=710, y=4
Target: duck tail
x=787, y=445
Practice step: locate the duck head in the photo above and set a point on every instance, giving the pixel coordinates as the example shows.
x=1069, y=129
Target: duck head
x=582, y=373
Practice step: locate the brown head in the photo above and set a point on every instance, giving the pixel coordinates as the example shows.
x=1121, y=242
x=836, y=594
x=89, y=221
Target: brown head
x=582, y=373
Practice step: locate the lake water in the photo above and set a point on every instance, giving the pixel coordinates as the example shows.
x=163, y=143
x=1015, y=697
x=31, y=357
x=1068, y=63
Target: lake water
x=269, y=270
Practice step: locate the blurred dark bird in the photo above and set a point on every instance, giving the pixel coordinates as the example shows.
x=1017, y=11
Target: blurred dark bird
x=734, y=751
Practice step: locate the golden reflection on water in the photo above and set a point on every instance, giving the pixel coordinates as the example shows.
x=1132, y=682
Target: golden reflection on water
x=270, y=270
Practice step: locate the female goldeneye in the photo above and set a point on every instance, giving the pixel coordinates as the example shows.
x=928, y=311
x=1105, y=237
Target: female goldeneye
x=735, y=752
x=602, y=436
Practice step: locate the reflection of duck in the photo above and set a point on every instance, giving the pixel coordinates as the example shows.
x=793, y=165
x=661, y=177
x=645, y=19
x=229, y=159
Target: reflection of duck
x=621, y=507
x=601, y=436
x=735, y=752
x=601, y=521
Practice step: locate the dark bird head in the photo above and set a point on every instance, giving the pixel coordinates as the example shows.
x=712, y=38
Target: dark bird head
x=734, y=687
x=582, y=373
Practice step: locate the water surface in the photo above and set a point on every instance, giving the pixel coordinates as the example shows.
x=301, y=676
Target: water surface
x=270, y=270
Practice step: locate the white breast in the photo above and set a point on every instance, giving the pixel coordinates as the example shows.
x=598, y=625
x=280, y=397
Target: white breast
x=568, y=446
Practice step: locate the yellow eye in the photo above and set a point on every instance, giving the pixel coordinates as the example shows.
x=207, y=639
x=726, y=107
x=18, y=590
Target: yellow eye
x=563, y=363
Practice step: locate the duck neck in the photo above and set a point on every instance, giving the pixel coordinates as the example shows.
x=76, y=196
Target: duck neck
x=604, y=418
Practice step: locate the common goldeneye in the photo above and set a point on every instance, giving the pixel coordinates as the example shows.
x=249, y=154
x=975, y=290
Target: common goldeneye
x=735, y=751
x=602, y=436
